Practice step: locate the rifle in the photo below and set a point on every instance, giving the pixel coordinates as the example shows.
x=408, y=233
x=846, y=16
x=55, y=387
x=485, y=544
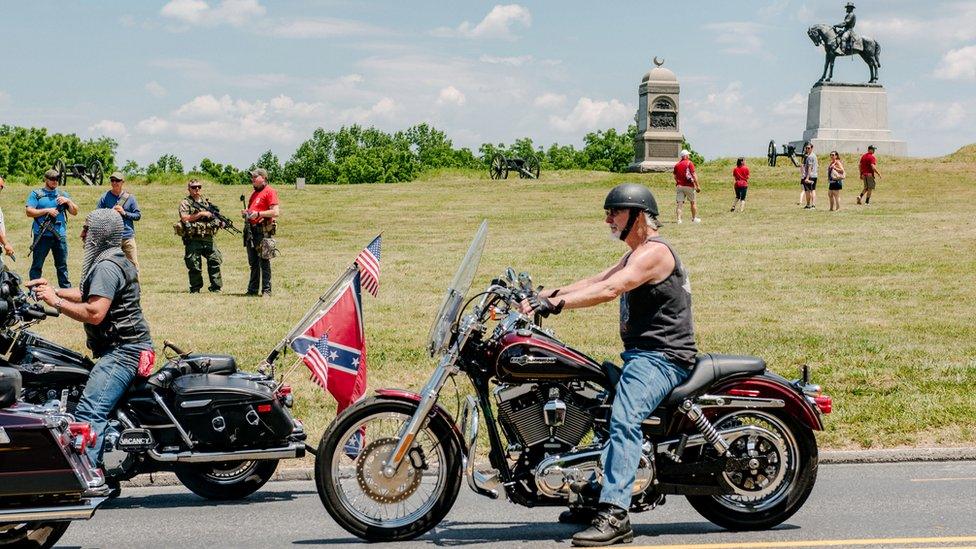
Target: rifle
x=46, y=226
x=247, y=226
x=215, y=211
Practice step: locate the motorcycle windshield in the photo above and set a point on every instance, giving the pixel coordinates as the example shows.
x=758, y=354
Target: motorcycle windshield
x=440, y=332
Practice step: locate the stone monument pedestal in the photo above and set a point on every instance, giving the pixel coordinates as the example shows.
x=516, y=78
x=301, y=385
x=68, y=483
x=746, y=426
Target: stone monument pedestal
x=658, y=142
x=847, y=118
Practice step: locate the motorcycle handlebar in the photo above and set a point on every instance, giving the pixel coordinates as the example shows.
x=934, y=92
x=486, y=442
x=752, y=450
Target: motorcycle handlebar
x=171, y=345
x=50, y=311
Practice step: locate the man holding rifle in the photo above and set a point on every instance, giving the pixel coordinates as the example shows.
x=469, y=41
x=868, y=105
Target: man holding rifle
x=198, y=225
x=47, y=206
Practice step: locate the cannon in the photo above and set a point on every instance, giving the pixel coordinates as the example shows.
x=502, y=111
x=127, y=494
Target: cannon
x=527, y=168
x=789, y=151
x=91, y=174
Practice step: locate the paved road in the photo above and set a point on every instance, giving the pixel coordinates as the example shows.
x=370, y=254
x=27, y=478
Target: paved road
x=905, y=505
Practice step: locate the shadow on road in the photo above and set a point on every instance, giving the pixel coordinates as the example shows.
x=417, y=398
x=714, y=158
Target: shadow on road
x=167, y=501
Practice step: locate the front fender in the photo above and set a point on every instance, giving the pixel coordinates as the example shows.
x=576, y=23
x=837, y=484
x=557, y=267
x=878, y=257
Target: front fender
x=436, y=411
x=770, y=385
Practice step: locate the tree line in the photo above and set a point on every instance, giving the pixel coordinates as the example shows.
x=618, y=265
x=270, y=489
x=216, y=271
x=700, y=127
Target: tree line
x=349, y=155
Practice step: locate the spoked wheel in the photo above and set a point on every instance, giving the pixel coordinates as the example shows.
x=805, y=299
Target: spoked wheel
x=498, y=169
x=226, y=480
x=532, y=166
x=781, y=468
x=366, y=501
x=95, y=173
x=59, y=167
x=32, y=534
x=771, y=153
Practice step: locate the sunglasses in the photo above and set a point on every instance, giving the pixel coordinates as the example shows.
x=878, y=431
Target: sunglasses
x=612, y=211
x=113, y=180
x=196, y=186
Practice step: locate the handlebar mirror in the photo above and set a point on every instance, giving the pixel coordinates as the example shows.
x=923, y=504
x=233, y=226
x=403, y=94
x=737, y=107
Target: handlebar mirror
x=510, y=275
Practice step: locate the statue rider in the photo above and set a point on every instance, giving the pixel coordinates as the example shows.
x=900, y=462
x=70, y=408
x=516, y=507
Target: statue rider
x=845, y=30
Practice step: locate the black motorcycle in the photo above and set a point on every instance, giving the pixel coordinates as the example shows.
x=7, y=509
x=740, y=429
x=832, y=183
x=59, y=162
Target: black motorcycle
x=46, y=480
x=220, y=430
x=735, y=439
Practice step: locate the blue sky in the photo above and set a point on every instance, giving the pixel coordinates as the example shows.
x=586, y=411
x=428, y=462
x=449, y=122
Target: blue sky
x=228, y=79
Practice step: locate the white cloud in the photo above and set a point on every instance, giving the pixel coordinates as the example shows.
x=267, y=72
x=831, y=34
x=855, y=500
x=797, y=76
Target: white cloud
x=794, y=106
x=497, y=24
x=952, y=23
x=958, y=64
x=737, y=37
x=550, y=101
x=516, y=61
x=589, y=114
x=928, y=115
x=382, y=109
x=323, y=27
x=109, y=128
x=236, y=13
x=451, y=95
x=155, y=89
x=152, y=125
x=725, y=109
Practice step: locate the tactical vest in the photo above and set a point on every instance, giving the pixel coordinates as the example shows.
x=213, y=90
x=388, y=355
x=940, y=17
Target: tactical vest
x=124, y=322
x=198, y=229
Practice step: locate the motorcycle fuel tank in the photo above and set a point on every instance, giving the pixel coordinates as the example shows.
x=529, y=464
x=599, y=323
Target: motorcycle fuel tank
x=536, y=356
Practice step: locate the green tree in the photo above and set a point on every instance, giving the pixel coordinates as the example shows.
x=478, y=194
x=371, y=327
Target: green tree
x=696, y=158
x=269, y=162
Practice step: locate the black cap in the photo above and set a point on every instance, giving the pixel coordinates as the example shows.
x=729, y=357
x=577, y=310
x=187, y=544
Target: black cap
x=870, y=147
x=631, y=196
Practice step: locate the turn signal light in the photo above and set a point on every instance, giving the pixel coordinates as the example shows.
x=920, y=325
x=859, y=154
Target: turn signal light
x=825, y=403
x=264, y=408
x=82, y=436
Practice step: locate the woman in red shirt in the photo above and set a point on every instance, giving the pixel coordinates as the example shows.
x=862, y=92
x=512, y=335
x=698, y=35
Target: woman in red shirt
x=740, y=177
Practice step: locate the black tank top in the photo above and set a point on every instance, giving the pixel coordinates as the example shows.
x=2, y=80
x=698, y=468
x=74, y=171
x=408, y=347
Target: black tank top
x=657, y=317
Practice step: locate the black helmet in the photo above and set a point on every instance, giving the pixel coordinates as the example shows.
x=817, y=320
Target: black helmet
x=631, y=196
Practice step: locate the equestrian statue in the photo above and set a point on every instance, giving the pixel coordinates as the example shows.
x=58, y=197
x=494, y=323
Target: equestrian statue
x=840, y=40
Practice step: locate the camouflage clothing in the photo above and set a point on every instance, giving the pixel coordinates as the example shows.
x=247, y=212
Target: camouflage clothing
x=197, y=229
x=198, y=243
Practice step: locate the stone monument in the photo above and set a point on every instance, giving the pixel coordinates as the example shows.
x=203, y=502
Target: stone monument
x=848, y=117
x=658, y=141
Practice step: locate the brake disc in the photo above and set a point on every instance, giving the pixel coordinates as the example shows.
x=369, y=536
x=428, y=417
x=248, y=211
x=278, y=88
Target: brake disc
x=760, y=468
x=377, y=486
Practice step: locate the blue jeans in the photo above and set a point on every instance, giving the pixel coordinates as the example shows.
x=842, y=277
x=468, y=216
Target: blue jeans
x=109, y=380
x=647, y=378
x=59, y=248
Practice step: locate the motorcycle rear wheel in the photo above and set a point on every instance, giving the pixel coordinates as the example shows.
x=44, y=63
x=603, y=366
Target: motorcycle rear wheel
x=226, y=480
x=352, y=487
x=33, y=535
x=738, y=513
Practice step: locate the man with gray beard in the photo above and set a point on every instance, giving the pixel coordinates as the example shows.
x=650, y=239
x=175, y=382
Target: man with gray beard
x=107, y=302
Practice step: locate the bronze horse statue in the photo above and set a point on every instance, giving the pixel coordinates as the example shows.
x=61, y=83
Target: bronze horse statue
x=825, y=34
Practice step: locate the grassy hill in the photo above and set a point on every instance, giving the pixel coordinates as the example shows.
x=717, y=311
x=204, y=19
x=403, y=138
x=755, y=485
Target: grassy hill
x=879, y=300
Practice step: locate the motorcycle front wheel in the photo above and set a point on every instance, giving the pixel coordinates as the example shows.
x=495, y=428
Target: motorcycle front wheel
x=371, y=505
x=34, y=535
x=226, y=480
x=775, y=490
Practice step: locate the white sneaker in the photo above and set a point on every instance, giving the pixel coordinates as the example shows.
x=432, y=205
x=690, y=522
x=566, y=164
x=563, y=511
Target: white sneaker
x=680, y=222
x=696, y=220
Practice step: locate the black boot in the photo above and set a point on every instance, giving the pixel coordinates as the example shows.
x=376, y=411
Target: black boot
x=611, y=525
x=577, y=515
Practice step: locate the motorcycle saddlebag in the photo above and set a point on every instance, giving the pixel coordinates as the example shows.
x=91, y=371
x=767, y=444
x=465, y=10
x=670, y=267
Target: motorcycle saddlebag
x=223, y=413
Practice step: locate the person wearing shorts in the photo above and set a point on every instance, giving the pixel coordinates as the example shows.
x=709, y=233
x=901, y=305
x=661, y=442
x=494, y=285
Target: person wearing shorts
x=869, y=174
x=686, y=186
x=808, y=177
x=740, y=184
x=835, y=178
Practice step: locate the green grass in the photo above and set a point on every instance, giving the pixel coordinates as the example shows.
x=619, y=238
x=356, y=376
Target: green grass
x=879, y=300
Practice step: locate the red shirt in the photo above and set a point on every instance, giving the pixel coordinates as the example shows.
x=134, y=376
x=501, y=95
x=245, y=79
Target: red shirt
x=868, y=161
x=741, y=176
x=262, y=201
x=683, y=171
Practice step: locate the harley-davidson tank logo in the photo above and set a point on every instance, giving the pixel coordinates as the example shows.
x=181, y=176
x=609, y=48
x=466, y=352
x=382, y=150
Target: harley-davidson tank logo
x=526, y=359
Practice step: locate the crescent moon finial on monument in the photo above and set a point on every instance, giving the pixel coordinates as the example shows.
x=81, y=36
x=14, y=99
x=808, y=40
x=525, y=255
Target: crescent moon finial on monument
x=658, y=61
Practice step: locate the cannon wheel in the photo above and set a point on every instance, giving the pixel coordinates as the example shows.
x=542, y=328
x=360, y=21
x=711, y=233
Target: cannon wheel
x=95, y=173
x=771, y=153
x=59, y=167
x=498, y=169
x=532, y=166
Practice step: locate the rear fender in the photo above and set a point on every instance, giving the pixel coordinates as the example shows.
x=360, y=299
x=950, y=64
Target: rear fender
x=770, y=385
x=437, y=411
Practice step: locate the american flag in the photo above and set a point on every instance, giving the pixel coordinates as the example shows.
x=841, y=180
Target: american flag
x=315, y=353
x=368, y=261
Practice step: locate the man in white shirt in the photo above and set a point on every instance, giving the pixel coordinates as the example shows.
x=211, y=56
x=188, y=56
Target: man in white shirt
x=7, y=248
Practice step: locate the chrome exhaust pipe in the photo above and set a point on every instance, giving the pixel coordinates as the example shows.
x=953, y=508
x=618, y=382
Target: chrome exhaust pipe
x=483, y=483
x=83, y=511
x=293, y=450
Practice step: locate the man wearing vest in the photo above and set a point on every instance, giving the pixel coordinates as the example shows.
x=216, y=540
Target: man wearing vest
x=262, y=209
x=47, y=206
x=659, y=347
x=197, y=226
x=124, y=203
x=107, y=302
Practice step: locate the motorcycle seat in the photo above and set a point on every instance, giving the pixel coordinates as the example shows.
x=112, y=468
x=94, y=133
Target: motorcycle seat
x=10, y=383
x=710, y=368
x=212, y=364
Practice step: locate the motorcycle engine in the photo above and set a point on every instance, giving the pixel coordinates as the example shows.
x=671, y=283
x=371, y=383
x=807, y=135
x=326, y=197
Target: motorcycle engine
x=116, y=461
x=546, y=416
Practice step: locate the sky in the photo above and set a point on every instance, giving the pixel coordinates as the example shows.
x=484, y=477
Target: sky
x=230, y=79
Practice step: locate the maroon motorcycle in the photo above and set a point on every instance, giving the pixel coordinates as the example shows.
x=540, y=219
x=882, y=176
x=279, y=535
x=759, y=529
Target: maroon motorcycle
x=735, y=439
x=46, y=480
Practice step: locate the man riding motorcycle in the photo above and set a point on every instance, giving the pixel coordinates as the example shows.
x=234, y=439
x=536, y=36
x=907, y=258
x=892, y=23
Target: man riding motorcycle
x=107, y=302
x=659, y=346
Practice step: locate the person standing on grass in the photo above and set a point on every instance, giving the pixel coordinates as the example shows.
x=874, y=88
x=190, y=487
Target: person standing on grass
x=835, y=179
x=808, y=177
x=686, y=186
x=125, y=204
x=44, y=204
x=262, y=210
x=869, y=174
x=740, y=184
x=7, y=248
x=198, y=227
